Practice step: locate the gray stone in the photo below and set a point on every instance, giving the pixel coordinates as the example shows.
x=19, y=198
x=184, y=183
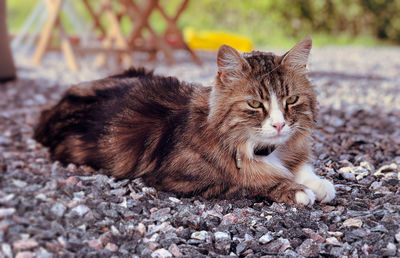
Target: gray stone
x=161, y=253
x=6, y=212
x=222, y=242
x=6, y=250
x=265, y=239
x=58, y=209
x=81, y=209
x=308, y=248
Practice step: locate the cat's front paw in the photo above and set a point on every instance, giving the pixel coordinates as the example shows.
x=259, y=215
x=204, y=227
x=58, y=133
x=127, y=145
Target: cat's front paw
x=305, y=197
x=324, y=190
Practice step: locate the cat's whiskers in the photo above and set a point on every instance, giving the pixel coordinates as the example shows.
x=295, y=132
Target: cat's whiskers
x=303, y=131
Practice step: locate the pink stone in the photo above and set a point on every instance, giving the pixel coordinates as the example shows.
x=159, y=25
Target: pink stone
x=229, y=219
x=71, y=180
x=174, y=250
x=95, y=244
x=25, y=255
x=314, y=236
x=112, y=247
x=25, y=244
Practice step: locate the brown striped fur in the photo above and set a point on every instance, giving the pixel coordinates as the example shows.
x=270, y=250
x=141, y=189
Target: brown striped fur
x=182, y=137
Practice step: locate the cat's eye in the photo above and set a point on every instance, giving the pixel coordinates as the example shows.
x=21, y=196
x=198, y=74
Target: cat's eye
x=254, y=103
x=291, y=100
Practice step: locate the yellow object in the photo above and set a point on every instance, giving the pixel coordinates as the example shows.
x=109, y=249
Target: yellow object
x=212, y=40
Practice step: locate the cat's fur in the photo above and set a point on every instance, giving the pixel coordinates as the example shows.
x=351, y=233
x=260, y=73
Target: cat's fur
x=191, y=139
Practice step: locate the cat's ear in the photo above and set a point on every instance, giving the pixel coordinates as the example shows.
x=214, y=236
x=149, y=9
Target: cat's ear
x=231, y=65
x=297, y=57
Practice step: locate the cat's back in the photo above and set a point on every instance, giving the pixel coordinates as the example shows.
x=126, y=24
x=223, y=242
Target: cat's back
x=77, y=125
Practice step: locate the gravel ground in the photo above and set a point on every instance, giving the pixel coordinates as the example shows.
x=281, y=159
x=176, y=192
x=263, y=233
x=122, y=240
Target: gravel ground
x=47, y=210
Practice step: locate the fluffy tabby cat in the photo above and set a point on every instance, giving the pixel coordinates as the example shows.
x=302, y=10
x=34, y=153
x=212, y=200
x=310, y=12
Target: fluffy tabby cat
x=248, y=133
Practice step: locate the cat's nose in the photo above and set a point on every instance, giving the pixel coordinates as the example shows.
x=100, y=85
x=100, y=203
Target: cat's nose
x=278, y=126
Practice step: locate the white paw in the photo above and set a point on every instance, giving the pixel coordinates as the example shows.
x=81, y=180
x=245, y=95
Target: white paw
x=324, y=190
x=306, y=197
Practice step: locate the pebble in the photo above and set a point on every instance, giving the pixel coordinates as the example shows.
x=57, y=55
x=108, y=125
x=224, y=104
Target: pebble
x=366, y=249
x=333, y=241
x=7, y=198
x=6, y=212
x=163, y=227
x=118, y=192
x=353, y=223
x=4, y=226
x=25, y=255
x=349, y=176
x=241, y=247
x=58, y=209
x=229, y=219
x=71, y=167
x=385, y=169
x=25, y=244
x=81, y=209
x=367, y=165
x=390, y=250
x=161, y=253
x=161, y=214
x=266, y=238
x=281, y=244
x=175, y=200
x=71, y=180
x=6, y=250
x=111, y=247
x=95, y=244
x=19, y=183
x=314, y=236
x=397, y=236
x=174, y=250
x=222, y=242
x=141, y=228
x=308, y=248
x=200, y=235
x=335, y=234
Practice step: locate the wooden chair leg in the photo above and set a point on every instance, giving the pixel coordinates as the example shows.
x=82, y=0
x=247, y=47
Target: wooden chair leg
x=107, y=44
x=96, y=18
x=171, y=24
x=53, y=7
x=114, y=34
x=67, y=48
x=140, y=16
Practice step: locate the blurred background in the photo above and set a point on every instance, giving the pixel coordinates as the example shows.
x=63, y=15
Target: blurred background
x=87, y=35
x=268, y=22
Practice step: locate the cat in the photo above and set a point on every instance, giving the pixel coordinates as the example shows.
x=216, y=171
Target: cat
x=249, y=133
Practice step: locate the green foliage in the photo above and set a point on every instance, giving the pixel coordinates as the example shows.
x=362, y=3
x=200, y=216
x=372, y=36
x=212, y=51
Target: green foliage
x=273, y=22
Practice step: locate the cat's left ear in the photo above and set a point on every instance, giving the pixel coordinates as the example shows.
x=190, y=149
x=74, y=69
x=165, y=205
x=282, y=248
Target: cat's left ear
x=297, y=57
x=231, y=65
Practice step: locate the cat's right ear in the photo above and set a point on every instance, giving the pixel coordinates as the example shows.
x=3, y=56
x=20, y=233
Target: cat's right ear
x=231, y=65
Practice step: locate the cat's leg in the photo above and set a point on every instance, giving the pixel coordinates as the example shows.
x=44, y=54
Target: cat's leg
x=279, y=183
x=323, y=189
x=293, y=190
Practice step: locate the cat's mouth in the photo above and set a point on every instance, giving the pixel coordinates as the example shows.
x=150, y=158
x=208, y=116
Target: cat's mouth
x=264, y=151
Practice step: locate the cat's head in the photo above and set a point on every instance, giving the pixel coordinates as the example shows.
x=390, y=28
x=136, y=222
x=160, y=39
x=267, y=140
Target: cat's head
x=263, y=99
